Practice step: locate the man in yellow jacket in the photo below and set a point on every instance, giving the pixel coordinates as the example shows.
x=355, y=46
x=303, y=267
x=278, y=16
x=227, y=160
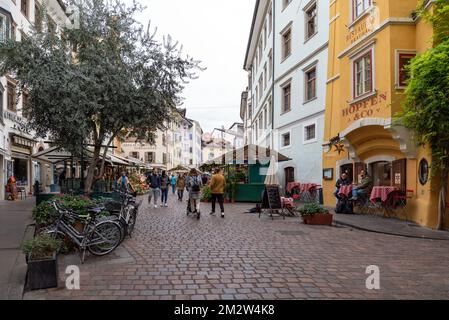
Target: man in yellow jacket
x=217, y=185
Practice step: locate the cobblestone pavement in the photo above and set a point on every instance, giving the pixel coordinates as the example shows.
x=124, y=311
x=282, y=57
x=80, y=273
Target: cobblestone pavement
x=173, y=256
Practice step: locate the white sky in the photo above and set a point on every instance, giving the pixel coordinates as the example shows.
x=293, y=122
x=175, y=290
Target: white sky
x=215, y=32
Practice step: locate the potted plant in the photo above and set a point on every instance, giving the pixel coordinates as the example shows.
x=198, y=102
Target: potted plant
x=314, y=214
x=206, y=194
x=44, y=215
x=41, y=256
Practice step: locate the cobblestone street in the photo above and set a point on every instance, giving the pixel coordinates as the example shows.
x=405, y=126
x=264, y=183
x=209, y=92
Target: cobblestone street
x=172, y=256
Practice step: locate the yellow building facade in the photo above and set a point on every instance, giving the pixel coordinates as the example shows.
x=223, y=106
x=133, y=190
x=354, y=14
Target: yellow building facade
x=370, y=42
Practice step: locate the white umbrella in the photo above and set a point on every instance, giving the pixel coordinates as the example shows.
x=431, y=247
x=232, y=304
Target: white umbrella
x=272, y=177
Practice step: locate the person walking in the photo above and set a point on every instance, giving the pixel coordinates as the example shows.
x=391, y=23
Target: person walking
x=165, y=183
x=180, y=185
x=194, y=186
x=217, y=185
x=154, y=182
x=173, y=180
x=123, y=182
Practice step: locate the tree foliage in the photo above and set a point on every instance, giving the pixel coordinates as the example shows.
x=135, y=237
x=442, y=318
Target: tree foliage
x=88, y=84
x=426, y=107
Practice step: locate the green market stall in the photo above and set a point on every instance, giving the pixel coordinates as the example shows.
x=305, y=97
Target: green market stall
x=245, y=170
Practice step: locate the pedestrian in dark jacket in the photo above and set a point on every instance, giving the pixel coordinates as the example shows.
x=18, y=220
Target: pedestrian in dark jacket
x=154, y=182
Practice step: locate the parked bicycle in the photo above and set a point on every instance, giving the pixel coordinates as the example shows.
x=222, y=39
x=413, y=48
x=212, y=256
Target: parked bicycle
x=127, y=215
x=100, y=235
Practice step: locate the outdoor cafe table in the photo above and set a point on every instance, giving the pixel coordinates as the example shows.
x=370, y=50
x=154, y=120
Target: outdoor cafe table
x=306, y=190
x=382, y=193
x=345, y=191
x=291, y=186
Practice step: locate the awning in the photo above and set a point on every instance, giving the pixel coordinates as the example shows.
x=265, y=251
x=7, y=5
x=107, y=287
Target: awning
x=250, y=154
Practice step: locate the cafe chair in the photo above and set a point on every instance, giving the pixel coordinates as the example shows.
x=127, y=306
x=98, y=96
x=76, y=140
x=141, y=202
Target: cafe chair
x=400, y=200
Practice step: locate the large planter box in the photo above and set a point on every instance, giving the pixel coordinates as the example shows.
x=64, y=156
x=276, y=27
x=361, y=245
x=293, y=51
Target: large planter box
x=318, y=219
x=42, y=274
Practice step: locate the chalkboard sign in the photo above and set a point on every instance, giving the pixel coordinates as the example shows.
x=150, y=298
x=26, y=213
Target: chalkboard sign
x=274, y=197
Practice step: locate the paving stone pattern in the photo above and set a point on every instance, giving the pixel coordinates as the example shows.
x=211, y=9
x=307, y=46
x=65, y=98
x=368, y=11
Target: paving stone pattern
x=173, y=256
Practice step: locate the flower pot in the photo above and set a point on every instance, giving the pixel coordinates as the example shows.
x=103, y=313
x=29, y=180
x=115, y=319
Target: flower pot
x=318, y=219
x=42, y=274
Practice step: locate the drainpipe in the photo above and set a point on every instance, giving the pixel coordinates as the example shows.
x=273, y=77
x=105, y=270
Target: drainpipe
x=273, y=73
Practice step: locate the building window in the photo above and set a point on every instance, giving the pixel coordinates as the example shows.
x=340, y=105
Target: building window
x=403, y=75
x=164, y=139
x=310, y=133
x=270, y=20
x=285, y=3
x=270, y=111
x=270, y=64
x=265, y=35
x=265, y=77
x=261, y=121
x=150, y=157
x=363, y=75
x=191, y=150
x=286, y=140
x=37, y=18
x=359, y=7
x=265, y=118
x=310, y=80
x=311, y=21
x=11, y=97
x=257, y=96
x=286, y=43
x=24, y=7
x=25, y=100
x=5, y=25
x=260, y=87
x=164, y=158
x=260, y=50
x=134, y=155
x=286, y=98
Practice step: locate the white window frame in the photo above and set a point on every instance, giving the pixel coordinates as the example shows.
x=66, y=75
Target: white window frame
x=289, y=132
x=304, y=126
x=353, y=16
x=397, y=54
x=7, y=26
x=353, y=59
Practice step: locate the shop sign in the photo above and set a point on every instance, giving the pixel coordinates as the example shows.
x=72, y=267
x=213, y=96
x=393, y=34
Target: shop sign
x=20, y=123
x=364, y=109
x=397, y=179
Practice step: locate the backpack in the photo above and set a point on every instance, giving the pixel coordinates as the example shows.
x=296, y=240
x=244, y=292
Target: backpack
x=164, y=183
x=195, y=184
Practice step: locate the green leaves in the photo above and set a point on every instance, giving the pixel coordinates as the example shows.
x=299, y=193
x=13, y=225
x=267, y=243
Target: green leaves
x=118, y=75
x=311, y=209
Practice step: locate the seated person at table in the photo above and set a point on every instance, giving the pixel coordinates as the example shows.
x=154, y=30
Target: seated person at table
x=364, y=188
x=343, y=181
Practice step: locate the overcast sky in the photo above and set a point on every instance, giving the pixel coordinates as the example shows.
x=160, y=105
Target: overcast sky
x=215, y=32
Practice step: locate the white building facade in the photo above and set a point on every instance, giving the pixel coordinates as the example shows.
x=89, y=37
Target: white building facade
x=17, y=143
x=285, y=101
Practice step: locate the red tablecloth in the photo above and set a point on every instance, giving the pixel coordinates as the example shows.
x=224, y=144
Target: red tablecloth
x=345, y=190
x=305, y=187
x=381, y=192
x=292, y=185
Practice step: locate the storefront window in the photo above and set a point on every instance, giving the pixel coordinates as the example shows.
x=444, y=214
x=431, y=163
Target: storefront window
x=381, y=173
x=20, y=171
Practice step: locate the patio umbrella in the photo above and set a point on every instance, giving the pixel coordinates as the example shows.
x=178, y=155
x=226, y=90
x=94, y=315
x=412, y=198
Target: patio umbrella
x=272, y=177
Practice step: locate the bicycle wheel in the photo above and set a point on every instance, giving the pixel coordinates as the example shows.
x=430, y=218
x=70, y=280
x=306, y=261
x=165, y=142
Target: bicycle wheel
x=104, y=238
x=122, y=224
